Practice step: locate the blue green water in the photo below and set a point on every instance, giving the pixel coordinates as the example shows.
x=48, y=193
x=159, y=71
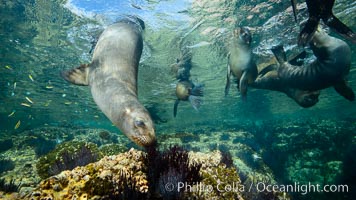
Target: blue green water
x=40, y=38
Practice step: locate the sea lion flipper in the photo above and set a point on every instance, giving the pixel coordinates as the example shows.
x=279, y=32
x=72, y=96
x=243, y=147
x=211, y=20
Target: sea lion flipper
x=344, y=90
x=308, y=31
x=279, y=53
x=335, y=24
x=243, y=85
x=77, y=76
x=298, y=60
x=294, y=6
x=228, y=74
x=197, y=90
x=175, y=108
x=195, y=101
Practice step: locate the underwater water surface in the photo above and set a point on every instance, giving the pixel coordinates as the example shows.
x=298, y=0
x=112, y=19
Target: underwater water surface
x=39, y=110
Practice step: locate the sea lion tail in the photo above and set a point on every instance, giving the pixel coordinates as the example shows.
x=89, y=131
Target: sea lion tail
x=195, y=101
x=77, y=76
x=344, y=90
x=279, y=53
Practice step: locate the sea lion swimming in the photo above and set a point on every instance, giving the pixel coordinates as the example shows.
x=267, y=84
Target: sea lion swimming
x=187, y=90
x=322, y=9
x=112, y=77
x=268, y=79
x=330, y=68
x=240, y=62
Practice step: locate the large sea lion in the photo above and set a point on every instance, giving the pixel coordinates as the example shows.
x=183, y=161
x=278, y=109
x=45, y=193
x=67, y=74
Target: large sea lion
x=240, y=61
x=322, y=9
x=268, y=79
x=330, y=68
x=112, y=77
x=188, y=91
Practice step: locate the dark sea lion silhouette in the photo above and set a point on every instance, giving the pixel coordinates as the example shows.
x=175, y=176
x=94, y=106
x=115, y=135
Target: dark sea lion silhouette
x=268, y=79
x=112, y=77
x=240, y=61
x=329, y=69
x=322, y=9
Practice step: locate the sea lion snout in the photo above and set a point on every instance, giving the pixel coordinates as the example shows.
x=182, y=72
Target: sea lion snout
x=243, y=34
x=138, y=126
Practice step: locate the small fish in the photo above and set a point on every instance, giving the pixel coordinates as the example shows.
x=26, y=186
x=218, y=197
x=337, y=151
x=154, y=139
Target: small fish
x=8, y=67
x=17, y=124
x=11, y=114
x=47, y=103
x=15, y=85
x=49, y=86
x=29, y=76
x=96, y=116
x=25, y=104
x=67, y=103
x=29, y=100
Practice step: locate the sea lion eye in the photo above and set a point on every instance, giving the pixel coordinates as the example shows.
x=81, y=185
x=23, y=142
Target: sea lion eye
x=139, y=123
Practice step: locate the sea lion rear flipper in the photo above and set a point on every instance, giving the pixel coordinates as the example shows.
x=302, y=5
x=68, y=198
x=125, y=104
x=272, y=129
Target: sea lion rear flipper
x=344, y=90
x=175, y=108
x=308, y=31
x=228, y=74
x=78, y=76
x=294, y=6
x=279, y=53
x=267, y=69
x=195, y=101
x=339, y=27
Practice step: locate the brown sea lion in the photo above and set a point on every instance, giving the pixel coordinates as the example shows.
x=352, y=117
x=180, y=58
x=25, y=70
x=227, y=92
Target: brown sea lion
x=188, y=91
x=181, y=68
x=112, y=77
x=322, y=9
x=329, y=69
x=240, y=62
x=268, y=79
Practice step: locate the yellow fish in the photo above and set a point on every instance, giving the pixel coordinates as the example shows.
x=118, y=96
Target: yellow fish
x=8, y=67
x=18, y=124
x=29, y=76
x=25, y=104
x=29, y=100
x=11, y=114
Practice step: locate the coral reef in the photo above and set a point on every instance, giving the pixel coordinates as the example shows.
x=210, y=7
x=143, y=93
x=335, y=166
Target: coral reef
x=111, y=177
x=67, y=156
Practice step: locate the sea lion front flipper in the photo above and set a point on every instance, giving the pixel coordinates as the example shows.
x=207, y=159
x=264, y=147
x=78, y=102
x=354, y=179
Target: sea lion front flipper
x=195, y=101
x=78, y=76
x=227, y=86
x=297, y=60
x=279, y=53
x=339, y=27
x=344, y=90
x=308, y=31
x=175, y=108
x=243, y=85
x=197, y=90
x=294, y=6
